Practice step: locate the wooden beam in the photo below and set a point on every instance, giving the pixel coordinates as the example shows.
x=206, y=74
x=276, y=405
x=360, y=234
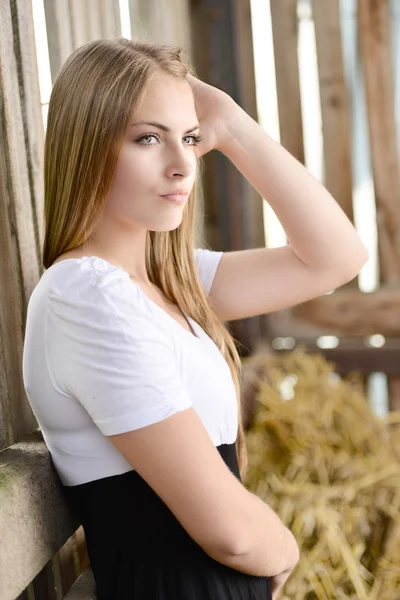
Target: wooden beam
x=354, y=313
x=354, y=355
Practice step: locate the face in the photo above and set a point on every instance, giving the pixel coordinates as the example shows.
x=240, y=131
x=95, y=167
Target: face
x=156, y=160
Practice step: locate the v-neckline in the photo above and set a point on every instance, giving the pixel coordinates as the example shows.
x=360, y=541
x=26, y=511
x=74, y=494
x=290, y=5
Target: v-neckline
x=189, y=320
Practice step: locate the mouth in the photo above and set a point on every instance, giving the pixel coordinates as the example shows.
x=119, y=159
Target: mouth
x=176, y=198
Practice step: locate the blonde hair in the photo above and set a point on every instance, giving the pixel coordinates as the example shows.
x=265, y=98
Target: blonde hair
x=93, y=97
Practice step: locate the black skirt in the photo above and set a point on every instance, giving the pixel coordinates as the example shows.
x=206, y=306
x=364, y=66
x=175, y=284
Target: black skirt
x=138, y=550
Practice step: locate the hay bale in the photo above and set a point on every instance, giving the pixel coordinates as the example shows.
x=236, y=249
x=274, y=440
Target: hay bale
x=330, y=469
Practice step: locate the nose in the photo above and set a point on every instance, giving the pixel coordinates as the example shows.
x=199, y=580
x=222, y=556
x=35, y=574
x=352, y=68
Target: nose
x=181, y=161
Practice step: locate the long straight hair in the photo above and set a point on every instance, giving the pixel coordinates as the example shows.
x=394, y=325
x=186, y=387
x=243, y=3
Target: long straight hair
x=93, y=97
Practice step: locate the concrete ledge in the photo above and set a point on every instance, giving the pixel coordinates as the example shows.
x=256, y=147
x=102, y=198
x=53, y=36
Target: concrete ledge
x=35, y=521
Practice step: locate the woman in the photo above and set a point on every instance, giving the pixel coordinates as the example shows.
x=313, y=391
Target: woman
x=128, y=366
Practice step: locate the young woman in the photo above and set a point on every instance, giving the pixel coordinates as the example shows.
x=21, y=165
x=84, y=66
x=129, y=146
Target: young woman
x=128, y=366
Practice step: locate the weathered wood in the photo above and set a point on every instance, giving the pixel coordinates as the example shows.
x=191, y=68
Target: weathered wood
x=69, y=567
x=79, y=18
x=161, y=21
x=16, y=417
x=253, y=225
x=394, y=393
x=59, y=33
x=378, y=73
x=334, y=104
x=31, y=112
x=285, y=39
x=14, y=154
x=30, y=493
x=110, y=18
x=221, y=60
x=44, y=584
x=353, y=313
x=94, y=24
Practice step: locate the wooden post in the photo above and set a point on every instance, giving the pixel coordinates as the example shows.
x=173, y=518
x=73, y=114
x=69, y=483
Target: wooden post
x=334, y=104
x=221, y=32
x=285, y=39
x=378, y=73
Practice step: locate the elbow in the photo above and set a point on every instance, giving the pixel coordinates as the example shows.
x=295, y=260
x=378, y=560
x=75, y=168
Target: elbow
x=359, y=257
x=350, y=266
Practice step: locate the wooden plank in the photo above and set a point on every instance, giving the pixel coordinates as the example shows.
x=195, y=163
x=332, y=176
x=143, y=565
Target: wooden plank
x=30, y=493
x=253, y=213
x=44, y=585
x=161, y=21
x=334, y=104
x=110, y=18
x=216, y=59
x=285, y=39
x=84, y=588
x=13, y=149
x=254, y=234
x=94, y=23
x=59, y=33
x=79, y=18
x=378, y=72
x=16, y=416
x=68, y=567
x=24, y=35
x=394, y=393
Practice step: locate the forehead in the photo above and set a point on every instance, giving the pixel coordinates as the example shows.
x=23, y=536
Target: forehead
x=167, y=98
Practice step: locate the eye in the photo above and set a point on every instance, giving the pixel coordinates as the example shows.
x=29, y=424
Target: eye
x=146, y=137
x=196, y=139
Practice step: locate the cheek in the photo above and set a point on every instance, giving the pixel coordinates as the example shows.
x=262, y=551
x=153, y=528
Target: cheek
x=133, y=170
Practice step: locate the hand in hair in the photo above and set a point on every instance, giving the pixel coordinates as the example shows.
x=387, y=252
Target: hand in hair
x=216, y=111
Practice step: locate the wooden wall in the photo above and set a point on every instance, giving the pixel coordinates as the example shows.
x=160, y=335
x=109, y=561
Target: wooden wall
x=41, y=560
x=349, y=314
x=217, y=34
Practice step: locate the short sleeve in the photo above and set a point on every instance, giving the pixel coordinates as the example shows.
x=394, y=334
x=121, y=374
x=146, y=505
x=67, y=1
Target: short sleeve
x=106, y=350
x=207, y=262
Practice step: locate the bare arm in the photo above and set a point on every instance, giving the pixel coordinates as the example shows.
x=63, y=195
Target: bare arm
x=269, y=548
x=177, y=458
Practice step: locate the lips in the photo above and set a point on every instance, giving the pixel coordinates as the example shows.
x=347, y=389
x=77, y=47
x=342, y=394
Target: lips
x=177, y=198
x=179, y=192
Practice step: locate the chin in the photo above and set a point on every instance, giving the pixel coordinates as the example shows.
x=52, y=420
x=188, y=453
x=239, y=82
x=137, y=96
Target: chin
x=171, y=225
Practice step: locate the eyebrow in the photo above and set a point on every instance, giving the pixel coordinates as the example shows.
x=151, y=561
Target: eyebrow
x=163, y=127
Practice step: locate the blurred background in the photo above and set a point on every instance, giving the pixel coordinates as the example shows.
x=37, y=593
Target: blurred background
x=322, y=77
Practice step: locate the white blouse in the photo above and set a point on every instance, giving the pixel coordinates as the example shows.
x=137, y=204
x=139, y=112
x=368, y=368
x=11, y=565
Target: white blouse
x=101, y=358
